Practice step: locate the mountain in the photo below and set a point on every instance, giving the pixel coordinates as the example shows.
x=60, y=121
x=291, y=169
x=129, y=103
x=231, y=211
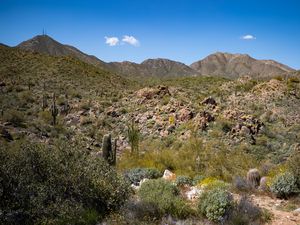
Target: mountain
x=47, y=45
x=153, y=67
x=236, y=65
x=218, y=64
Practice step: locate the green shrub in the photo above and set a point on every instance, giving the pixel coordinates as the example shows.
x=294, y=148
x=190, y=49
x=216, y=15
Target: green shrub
x=140, y=211
x=137, y=174
x=197, y=179
x=284, y=185
x=183, y=180
x=56, y=184
x=15, y=117
x=293, y=165
x=166, y=196
x=215, y=204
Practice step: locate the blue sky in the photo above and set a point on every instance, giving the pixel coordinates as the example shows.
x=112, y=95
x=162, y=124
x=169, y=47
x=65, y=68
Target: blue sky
x=182, y=30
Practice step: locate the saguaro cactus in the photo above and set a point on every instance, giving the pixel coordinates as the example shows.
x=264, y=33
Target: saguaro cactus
x=253, y=178
x=109, y=151
x=44, y=102
x=134, y=137
x=54, y=109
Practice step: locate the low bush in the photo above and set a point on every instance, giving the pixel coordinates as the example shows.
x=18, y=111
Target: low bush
x=240, y=184
x=215, y=204
x=57, y=184
x=210, y=183
x=284, y=185
x=140, y=211
x=197, y=179
x=15, y=117
x=183, y=180
x=293, y=165
x=165, y=196
x=245, y=213
x=135, y=175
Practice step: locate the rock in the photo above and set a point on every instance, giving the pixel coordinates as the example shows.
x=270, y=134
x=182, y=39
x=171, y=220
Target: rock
x=163, y=133
x=185, y=114
x=163, y=90
x=186, y=135
x=193, y=193
x=209, y=101
x=171, y=129
x=135, y=187
x=168, y=175
x=244, y=131
x=5, y=134
x=147, y=93
x=143, y=181
x=112, y=112
x=297, y=210
x=207, y=116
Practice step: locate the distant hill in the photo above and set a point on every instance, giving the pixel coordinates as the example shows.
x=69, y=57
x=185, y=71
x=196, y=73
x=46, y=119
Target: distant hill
x=153, y=67
x=236, y=65
x=47, y=45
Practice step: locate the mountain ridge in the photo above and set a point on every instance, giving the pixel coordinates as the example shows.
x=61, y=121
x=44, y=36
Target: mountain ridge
x=217, y=64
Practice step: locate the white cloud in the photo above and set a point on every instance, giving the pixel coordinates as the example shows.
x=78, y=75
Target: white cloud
x=248, y=37
x=131, y=40
x=111, y=41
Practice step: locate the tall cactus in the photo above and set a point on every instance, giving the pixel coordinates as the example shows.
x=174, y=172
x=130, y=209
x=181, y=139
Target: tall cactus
x=133, y=137
x=54, y=109
x=109, y=151
x=44, y=102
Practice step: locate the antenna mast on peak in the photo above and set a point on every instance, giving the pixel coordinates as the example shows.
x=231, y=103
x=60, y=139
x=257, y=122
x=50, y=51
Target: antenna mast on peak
x=44, y=32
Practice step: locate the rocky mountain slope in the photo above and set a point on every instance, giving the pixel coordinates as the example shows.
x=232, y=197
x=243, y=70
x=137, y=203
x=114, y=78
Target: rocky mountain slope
x=47, y=45
x=236, y=65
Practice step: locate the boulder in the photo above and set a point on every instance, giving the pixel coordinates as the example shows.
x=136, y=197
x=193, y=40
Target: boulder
x=5, y=134
x=147, y=93
x=193, y=193
x=171, y=129
x=168, y=175
x=185, y=114
x=209, y=101
x=244, y=130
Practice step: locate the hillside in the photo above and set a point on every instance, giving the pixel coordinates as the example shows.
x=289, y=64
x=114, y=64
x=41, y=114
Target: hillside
x=236, y=65
x=204, y=133
x=47, y=45
x=153, y=67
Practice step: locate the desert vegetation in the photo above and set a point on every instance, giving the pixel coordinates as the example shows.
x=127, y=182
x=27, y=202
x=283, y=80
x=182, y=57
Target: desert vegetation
x=82, y=145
